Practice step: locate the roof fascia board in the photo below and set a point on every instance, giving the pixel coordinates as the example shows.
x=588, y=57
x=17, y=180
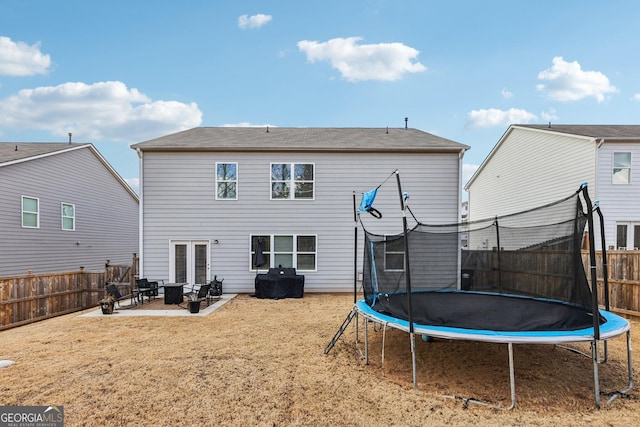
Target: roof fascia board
x=303, y=150
x=507, y=133
x=113, y=172
x=79, y=147
x=489, y=156
x=40, y=156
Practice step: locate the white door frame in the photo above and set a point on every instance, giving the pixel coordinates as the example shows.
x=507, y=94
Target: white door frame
x=190, y=244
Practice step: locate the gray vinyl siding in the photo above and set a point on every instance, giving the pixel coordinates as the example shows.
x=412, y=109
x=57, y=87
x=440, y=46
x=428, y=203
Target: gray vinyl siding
x=179, y=204
x=106, y=215
x=531, y=168
x=619, y=203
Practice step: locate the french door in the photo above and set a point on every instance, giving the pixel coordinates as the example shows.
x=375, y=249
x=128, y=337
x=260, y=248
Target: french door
x=189, y=261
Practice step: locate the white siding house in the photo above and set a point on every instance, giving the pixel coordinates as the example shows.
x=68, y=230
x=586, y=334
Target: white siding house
x=62, y=206
x=207, y=194
x=536, y=164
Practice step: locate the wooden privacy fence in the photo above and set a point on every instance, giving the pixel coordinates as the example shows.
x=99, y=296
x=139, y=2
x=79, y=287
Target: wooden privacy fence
x=34, y=297
x=623, y=278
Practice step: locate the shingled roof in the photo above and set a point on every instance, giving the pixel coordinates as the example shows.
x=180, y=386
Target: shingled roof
x=12, y=151
x=593, y=131
x=301, y=139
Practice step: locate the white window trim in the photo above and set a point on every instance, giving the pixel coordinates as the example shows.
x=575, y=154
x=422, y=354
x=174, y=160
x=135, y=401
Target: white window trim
x=22, y=211
x=613, y=167
x=62, y=216
x=272, y=252
x=236, y=180
x=292, y=181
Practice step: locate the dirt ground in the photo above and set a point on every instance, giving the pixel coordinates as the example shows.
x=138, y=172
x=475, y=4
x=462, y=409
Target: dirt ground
x=261, y=363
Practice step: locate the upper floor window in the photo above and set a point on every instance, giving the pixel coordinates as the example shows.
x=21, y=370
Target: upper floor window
x=30, y=212
x=297, y=251
x=621, y=168
x=68, y=213
x=292, y=180
x=226, y=181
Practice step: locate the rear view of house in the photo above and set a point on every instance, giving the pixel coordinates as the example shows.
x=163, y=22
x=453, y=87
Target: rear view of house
x=209, y=195
x=62, y=206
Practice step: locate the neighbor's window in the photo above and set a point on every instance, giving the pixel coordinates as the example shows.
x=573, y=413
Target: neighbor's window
x=226, y=181
x=68, y=216
x=621, y=168
x=292, y=180
x=394, y=254
x=297, y=251
x=30, y=212
x=628, y=235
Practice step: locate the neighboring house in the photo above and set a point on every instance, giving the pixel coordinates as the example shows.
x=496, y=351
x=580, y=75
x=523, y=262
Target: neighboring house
x=533, y=165
x=62, y=206
x=209, y=194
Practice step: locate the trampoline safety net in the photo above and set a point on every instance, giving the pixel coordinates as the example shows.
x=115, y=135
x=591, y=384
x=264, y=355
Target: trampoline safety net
x=519, y=272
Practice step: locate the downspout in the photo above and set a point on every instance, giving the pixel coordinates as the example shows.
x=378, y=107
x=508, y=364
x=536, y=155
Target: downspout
x=459, y=220
x=140, y=213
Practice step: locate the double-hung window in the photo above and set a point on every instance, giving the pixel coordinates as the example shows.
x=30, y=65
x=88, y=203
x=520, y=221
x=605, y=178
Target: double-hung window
x=292, y=181
x=30, y=212
x=68, y=214
x=621, y=173
x=288, y=251
x=628, y=235
x=226, y=181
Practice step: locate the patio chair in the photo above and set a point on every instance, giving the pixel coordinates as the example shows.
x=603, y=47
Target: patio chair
x=215, y=291
x=201, y=294
x=112, y=290
x=146, y=288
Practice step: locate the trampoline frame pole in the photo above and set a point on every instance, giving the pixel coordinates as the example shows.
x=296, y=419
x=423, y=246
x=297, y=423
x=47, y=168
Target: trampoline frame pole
x=592, y=262
x=407, y=278
x=355, y=250
x=605, y=272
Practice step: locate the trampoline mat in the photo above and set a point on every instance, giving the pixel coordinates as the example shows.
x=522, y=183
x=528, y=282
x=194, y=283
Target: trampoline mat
x=496, y=312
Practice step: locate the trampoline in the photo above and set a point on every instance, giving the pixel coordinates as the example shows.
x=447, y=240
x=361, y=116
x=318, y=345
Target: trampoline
x=516, y=279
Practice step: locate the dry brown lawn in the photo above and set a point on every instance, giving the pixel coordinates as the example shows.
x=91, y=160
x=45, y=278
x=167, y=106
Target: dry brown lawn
x=261, y=363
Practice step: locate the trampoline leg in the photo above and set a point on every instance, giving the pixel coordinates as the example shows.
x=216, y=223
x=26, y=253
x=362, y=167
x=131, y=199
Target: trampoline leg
x=366, y=341
x=384, y=337
x=413, y=359
x=512, y=378
x=596, y=379
x=357, y=329
x=630, y=371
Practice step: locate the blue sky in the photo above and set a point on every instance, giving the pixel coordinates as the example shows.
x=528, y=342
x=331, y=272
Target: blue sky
x=120, y=72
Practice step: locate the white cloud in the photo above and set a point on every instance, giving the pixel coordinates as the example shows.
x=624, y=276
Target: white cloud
x=636, y=97
x=254, y=21
x=382, y=61
x=506, y=94
x=101, y=111
x=21, y=59
x=134, y=183
x=494, y=117
x=467, y=171
x=550, y=115
x=567, y=82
